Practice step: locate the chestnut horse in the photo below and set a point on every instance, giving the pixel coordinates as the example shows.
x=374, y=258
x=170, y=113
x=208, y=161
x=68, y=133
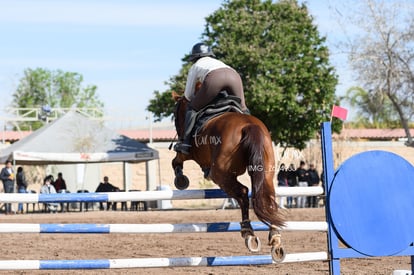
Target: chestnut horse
x=224, y=148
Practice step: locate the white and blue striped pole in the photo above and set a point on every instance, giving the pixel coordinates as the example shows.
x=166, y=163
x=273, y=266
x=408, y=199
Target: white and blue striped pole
x=153, y=228
x=144, y=195
x=157, y=262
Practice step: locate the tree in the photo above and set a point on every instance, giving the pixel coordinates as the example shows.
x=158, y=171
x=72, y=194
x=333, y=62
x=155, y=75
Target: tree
x=383, y=56
x=162, y=105
x=284, y=64
x=57, y=89
x=375, y=110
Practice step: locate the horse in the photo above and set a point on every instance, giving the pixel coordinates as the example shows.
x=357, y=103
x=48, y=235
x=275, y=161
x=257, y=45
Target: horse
x=225, y=147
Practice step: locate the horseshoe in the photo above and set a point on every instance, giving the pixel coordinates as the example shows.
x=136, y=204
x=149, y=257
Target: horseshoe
x=181, y=182
x=278, y=254
x=253, y=243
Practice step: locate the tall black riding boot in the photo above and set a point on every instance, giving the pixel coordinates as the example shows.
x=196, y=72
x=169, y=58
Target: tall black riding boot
x=185, y=145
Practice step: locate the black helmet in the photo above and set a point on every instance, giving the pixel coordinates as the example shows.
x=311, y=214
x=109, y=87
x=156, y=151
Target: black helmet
x=200, y=50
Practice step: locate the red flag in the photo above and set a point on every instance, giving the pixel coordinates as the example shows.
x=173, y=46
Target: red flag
x=339, y=112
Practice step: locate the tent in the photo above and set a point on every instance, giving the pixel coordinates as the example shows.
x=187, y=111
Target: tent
x=75, y=138
x=78, y=140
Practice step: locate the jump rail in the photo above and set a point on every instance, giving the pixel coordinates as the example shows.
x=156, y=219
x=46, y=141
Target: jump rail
x=152, y=228
x=144, y=195
x=158, y=262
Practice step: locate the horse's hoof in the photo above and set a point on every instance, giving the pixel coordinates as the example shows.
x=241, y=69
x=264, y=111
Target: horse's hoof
x=181, y=182
x=253, y=243
x=278, y=254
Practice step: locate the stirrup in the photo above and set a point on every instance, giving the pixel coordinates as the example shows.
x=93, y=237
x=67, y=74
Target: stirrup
x=182, y=148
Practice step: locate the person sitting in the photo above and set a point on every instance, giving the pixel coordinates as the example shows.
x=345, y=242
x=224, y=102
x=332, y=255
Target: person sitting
x=59, y=183
x=60, y=187
x=48, y=188
x=214, y=77
x=105, y=186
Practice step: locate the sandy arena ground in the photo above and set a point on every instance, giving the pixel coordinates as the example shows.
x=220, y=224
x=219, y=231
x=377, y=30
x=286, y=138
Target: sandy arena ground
x=26, y=246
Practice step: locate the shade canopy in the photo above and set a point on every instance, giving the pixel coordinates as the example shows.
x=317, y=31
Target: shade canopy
x=75, y=138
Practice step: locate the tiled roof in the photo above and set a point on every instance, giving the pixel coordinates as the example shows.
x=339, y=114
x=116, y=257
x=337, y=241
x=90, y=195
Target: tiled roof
x=170, y=134
x=13, y=136
x=378, y=134
x=157, y=134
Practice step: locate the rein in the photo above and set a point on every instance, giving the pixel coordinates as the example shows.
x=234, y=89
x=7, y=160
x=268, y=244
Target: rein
x=172, y=142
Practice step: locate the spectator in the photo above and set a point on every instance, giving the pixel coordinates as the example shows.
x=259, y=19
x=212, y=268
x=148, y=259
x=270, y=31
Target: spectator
x=60, y=187
x=292, y=180
x=323, y=196
x=282, y=181
x=48, y=188
x=7, y=177
x=21, y=186
x=302, y=182
x=59, y=183
x=313, y=181
x=105, y=186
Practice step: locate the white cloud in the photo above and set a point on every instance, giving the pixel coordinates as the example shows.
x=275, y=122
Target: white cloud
x=106, y=13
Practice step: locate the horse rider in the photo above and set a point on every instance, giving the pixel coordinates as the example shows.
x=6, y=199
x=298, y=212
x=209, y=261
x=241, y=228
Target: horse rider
x=214, y=76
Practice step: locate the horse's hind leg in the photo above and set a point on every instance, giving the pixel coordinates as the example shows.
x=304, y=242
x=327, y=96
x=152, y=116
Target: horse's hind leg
x=240, y=193
x=275, y=241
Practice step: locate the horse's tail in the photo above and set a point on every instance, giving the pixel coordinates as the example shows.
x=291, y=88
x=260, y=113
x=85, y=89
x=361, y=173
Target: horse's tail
x=263, y=192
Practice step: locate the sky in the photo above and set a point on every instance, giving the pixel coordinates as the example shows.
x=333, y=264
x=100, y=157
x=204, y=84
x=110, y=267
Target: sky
x=127, y=48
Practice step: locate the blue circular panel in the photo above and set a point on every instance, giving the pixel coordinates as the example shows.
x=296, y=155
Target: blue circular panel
x=371, y=203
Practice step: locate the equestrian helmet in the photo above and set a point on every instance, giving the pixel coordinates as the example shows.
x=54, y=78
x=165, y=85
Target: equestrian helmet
x=200, y=50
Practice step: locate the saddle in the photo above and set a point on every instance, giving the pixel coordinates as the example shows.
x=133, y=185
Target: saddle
x=221, y=104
